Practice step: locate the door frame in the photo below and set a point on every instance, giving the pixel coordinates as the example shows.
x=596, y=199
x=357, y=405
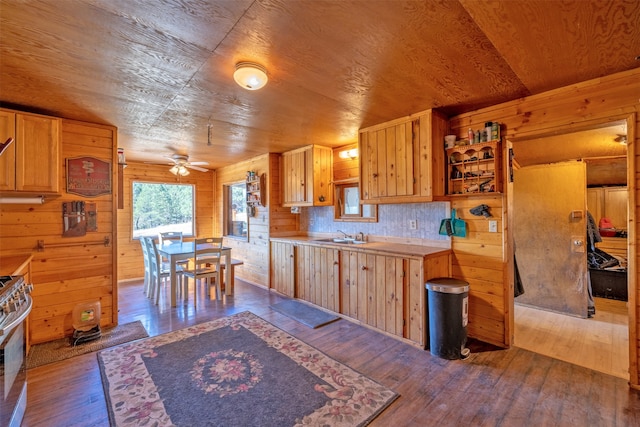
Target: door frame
x=630, y=119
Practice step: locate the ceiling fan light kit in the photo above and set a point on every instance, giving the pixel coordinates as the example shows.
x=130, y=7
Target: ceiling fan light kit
x=250, y=76
x=179, y=170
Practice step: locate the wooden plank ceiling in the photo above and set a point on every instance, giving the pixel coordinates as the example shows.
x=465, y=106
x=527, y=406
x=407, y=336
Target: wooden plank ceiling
x=161, y=71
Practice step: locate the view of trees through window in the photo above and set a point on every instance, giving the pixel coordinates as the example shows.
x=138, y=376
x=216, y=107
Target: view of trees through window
x=162, y=207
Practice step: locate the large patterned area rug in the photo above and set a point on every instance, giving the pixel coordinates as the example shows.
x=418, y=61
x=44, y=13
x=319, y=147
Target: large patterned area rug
x=236, y=371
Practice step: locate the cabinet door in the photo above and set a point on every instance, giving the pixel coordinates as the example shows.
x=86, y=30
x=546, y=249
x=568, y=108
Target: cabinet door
x=615, y=206
x=389, y=281
x=319, y=163
x=415, y=295
x=368, y=150
x=318, y=272
x=350, y=292
x=283, y=268
x=37, y=153
x=387, y=162
x=8, y=158
x=295, y=177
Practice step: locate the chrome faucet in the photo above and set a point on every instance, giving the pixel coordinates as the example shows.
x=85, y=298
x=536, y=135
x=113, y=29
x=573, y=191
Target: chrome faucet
x=346, y=236
x=360, y=236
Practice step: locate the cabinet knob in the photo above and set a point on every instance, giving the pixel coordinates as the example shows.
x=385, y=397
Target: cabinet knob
x=375, y=175
x=364, y=267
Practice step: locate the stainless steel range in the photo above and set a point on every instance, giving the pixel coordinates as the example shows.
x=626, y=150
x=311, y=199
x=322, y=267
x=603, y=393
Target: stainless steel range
x=15, y=305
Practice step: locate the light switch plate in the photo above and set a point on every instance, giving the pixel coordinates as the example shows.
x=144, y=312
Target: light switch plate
x=493, y=226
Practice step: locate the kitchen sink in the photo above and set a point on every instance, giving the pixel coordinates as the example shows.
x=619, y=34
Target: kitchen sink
x=341, y=240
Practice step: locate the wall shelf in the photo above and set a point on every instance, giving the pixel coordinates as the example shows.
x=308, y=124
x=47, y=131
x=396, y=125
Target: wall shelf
x=256, y=191
x=474, y=169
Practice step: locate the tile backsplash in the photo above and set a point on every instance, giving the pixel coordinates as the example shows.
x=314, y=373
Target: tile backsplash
x=393, y=221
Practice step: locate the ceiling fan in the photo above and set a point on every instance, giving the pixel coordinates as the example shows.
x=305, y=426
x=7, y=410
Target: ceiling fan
x=181, y=163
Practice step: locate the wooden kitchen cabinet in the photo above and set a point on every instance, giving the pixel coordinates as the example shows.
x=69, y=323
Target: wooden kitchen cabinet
x=283, y=268
x=402, y=161
x=31, y=163
x=374, y=285
x=307, y=176
x=372, y=289
x=317, y=276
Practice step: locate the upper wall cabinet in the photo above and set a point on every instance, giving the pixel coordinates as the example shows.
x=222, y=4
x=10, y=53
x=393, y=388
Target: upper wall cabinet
x=31, y=163
x=402, y=161
x=307, y=175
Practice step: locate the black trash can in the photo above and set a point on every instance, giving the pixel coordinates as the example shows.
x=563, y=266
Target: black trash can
x=448, y=305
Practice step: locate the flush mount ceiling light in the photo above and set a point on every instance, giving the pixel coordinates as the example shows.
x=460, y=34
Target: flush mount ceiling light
x=250, y=76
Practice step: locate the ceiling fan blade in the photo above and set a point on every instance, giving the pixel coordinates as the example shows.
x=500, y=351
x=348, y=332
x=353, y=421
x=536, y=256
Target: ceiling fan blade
x=172, y=159
x=199, y=163
x=198, y=168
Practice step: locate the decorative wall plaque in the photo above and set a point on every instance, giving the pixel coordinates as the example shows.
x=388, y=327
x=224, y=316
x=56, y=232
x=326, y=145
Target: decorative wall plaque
x=88, y=176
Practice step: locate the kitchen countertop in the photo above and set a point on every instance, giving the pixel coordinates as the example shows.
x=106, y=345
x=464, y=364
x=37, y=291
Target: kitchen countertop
x=375, y=246
x=11, y=264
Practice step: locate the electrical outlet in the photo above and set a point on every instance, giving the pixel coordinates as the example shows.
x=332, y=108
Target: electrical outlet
x=493, y=226
x=413, y=224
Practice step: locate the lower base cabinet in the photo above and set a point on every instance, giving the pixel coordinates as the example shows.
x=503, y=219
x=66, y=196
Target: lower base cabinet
x=317, y=276
x=282, y=277
x=380, y=290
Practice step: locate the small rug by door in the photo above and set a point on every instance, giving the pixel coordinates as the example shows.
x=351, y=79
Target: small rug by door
x=54, y=351
x=303, y=313
x=235, y=371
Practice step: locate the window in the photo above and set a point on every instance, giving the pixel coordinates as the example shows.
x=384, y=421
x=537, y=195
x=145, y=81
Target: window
x=162, y=207
x=235, y=210
x=348, y=208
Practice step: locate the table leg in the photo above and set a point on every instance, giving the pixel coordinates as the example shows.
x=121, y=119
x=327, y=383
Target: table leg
x=172, y=279
x=227, y=275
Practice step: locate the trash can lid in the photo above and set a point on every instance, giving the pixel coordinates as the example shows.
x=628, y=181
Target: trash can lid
x=447, y=285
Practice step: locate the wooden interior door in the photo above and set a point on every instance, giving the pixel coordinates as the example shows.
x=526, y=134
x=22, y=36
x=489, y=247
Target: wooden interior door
x=549, y=205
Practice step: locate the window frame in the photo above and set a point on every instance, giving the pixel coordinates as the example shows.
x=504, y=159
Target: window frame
x=339, y=208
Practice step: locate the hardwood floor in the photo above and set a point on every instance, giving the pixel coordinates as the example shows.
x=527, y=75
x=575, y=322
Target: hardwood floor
x=493, y=387
x=600, y=343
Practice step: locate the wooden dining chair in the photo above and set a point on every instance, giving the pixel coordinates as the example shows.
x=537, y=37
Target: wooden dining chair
x=168, y=237
x=206, y=266
x=160, y=271
x=147, y=266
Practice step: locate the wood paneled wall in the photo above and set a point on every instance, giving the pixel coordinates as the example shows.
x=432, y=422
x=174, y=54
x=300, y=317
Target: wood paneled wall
x=272, y=217
x=130, y=265
x=489, y=269
x=67, y=275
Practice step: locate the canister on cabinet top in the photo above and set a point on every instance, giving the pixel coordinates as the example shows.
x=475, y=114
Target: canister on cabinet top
x=495, y=131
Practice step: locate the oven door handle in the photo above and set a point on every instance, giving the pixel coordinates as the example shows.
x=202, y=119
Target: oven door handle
x=25, y=309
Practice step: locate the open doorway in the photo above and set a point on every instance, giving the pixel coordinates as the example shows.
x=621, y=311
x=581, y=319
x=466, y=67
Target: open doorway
x=602, y=341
